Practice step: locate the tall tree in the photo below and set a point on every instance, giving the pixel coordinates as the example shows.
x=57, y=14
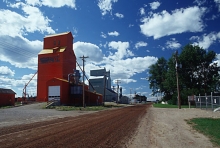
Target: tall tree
x=198, y=69
x=157, y=74
x=199, y=74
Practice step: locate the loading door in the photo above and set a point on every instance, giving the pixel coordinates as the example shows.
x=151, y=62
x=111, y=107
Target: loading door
x=53, y=93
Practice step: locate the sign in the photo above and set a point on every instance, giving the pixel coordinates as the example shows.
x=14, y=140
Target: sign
x=49, y=59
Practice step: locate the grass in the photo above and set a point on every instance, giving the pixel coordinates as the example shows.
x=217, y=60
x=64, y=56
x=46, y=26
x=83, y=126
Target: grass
x=87, y=108
x=4, y=107
x=159, y=105
x=207, y=126
x=71, y=108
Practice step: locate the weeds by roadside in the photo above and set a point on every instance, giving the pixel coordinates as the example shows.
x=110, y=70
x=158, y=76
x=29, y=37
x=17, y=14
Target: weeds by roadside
x=207, y=126
x=159, y=105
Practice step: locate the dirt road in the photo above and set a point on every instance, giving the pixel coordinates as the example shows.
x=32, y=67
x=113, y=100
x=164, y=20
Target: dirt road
x=110, y=128
x=167, y=128
x=140, y=126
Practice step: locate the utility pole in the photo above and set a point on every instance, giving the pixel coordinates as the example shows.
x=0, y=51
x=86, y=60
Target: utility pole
x=177, y=81
x=83, y=59
x=117, y=82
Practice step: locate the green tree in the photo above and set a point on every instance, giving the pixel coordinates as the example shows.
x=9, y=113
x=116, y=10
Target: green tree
x=170, y=80
x=157, y=75
x=199, y=72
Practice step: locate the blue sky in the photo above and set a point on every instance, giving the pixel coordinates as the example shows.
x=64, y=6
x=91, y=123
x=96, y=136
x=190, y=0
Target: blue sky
x=124, y=36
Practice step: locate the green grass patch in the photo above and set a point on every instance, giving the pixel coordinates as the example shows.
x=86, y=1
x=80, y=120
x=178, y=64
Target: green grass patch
x=4, y=107
x=207, y=126
x=106, y=105
x=71, y=108
x=159, y=105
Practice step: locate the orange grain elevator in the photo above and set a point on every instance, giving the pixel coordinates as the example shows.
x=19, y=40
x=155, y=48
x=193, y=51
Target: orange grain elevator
x=56, y=60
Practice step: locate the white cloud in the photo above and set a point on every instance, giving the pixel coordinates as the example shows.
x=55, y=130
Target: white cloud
x=18, y=84
x=87, y=49
x=32, y=20
x=20, y=52
x=125, y=69
x=103, y=35
x=173, y=44
x=218, y=59
x=140, y=44
x=119, y=15
x=148, y=50
x=206, y=40
x=52, y=3
x=122, y=50
x=179, y=21
x=199, y=2
x=106, y=6
x=154, y=5
x=218, y=4
x=115, y=33
x=131, y=25
x=126, y=81
x=142, y=11
x=4, y=70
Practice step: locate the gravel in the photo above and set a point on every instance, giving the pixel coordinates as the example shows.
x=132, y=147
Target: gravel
x=32, y=113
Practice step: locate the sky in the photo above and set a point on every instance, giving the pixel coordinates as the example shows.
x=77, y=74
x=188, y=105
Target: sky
x=123, y=36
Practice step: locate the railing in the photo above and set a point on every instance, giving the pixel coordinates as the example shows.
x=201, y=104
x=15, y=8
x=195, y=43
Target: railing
x=207, y=102
x=53, y=102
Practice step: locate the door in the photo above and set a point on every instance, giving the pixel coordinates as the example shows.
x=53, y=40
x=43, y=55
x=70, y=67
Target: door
x=53, y=93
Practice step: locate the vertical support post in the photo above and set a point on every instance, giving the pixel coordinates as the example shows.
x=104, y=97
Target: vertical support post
x=104, y=87
x=212, y=101
x=117, y=81
x=177, y=81
x=200, y=101
x=83, y=59
x=206, y=99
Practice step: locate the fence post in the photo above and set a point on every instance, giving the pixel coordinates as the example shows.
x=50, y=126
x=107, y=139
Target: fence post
x=206, y=99
x=212, y=101
x=200, y=101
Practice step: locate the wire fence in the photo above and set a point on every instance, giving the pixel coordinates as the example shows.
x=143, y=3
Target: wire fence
x=208, y=102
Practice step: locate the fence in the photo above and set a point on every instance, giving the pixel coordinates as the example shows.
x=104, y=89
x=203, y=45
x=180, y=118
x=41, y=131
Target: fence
x=207, y=102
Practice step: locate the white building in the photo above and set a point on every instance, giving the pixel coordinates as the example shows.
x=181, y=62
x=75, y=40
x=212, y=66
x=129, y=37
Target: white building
x=100, y=81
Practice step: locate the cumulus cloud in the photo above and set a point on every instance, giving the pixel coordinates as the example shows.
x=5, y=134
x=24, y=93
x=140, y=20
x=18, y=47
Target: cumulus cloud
x=115, y=33
x=199, y=2
x=120, y=69
x=119, y=15
x=154, y=5
x=52, y=3
x=32, y=20
x=117, y=61
x=121, y=50
x=106, y=6
x=173, y=44
x=206, y=40
x=103, y=35
x=4, y=70
x=19, y=51
x=217, y=4
x=142, y=11
x=140, y=44
x=218, y=59
x=179, y=21
x=88, y=49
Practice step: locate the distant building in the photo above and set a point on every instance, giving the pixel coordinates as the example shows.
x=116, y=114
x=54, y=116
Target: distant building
x=125, y=100
x=100, y=82
x=7, y=97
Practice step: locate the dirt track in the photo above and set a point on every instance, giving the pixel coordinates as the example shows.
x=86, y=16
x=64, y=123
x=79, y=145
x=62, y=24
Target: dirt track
x=110, y=128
